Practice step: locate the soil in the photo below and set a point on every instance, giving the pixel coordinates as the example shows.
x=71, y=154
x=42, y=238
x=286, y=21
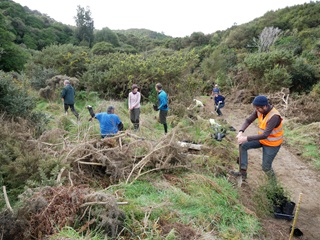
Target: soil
x=294, y=174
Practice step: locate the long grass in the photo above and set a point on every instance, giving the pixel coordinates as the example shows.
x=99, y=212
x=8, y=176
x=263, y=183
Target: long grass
x=205, y=204
x=209, y=205
x=305, y=140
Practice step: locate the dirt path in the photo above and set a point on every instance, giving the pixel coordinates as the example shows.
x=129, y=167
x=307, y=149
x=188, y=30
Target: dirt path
x=295, y=176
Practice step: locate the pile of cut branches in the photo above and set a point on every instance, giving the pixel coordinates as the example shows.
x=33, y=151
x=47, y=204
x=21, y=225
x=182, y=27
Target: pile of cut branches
x=122, y=157
x=46, y=210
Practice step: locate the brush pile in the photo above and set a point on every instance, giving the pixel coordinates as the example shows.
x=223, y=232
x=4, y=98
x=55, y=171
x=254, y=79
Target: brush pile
x=123, y=157
x=46, y=210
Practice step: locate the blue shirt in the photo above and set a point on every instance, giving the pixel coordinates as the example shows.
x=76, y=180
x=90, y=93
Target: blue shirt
x=216, y=90
x=108, y=123
x=163, y=101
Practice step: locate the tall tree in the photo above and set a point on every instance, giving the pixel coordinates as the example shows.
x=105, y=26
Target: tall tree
x=85, y=26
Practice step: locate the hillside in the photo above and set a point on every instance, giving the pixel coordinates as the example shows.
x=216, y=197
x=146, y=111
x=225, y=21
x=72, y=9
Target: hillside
x=147, y=185
x=177, y=189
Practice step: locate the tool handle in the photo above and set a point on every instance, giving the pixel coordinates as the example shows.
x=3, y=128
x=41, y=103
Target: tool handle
x=240, y=157
x=295, y=216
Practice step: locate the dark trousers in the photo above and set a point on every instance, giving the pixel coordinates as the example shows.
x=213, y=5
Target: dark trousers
x=134, y=117
x=163, y=119
x=66, y=107
x=268, y=154
x=218, y=107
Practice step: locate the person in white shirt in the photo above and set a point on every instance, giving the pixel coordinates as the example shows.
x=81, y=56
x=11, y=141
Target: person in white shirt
x=134, y=106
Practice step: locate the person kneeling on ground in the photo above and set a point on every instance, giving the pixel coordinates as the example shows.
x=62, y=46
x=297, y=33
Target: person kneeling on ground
x=219, y=103
x=110, y=123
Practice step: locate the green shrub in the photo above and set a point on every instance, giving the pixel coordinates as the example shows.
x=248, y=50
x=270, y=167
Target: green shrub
x=14, y=98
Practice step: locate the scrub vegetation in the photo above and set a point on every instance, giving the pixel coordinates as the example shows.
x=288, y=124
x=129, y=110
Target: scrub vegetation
x=144, y=185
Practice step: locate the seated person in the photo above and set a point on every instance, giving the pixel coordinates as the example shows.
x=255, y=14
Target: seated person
x=110, y=123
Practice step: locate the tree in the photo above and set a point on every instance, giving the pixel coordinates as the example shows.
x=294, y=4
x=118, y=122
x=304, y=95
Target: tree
x=107, y=35
x=12, y=57
x=85, y=26
x=267, y=38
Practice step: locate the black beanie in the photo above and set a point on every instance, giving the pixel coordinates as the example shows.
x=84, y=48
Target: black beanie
x=260, y=101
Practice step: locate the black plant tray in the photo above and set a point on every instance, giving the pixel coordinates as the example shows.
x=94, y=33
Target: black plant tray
x=283, y=216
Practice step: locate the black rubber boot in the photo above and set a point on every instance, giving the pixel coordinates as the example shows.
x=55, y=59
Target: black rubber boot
x=165, y=128
x=242, y=173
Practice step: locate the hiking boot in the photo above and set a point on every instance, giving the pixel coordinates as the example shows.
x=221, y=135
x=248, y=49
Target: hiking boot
x=242, y=173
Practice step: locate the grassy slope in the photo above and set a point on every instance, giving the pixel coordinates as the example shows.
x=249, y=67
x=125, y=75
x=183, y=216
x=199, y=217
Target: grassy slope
x=197, y=200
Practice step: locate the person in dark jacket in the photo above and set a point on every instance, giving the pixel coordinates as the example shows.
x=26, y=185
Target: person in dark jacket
x=162, y=106
x=110, y=123
x=219, y=103
x=67, y=96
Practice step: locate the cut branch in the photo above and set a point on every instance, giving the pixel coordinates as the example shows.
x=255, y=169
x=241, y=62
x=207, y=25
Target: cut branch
x=6, y=198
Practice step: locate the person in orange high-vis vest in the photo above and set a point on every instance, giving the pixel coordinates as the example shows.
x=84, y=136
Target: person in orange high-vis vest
x=269, y=137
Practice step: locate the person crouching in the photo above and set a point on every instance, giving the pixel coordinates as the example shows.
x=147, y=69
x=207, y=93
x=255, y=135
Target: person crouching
x=110, y=123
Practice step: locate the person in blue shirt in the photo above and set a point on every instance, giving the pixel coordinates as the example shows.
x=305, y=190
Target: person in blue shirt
x=215, y=89
x=162, y=106
x=110, y=123
x=219, y=103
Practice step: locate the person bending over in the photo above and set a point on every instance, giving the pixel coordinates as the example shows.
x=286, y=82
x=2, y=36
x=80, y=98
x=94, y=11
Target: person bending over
x=110, y=123
x=269, y=137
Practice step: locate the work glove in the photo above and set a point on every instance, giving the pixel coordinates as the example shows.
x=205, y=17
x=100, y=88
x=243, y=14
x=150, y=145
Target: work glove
x=155, y=107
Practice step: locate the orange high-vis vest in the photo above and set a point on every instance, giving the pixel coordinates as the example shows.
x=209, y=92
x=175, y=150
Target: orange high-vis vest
x=276, y=136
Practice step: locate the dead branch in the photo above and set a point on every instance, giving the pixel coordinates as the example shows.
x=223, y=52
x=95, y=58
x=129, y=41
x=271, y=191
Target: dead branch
x=60, y=174
x=6, y=198
x=91, y=163
x=101, y=203
x=70, y=179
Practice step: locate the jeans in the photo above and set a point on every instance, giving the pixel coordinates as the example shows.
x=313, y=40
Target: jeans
x=218, y=107
x=268, y=154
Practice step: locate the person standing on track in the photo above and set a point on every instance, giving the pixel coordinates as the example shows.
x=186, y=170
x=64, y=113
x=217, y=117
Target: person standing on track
x=269, y=137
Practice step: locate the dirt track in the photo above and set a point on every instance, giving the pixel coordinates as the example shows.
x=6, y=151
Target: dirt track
x=295, y=176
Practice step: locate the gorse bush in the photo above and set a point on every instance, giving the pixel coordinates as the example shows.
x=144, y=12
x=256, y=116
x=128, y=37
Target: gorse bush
x=20, y=160
x=63, y=59
x=14, y=98
x=112, y=75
